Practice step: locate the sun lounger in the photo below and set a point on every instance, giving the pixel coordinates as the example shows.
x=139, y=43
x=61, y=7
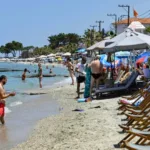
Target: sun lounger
x=143, y=137
x=131, y=146
x=121, y=87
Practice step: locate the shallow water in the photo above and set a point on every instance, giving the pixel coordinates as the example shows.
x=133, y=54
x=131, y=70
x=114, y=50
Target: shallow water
x=23, y=111
x=18, y=86
x=21, y=121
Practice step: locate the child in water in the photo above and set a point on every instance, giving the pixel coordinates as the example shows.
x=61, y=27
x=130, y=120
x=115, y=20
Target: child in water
x=24, y=74
x=50, y=71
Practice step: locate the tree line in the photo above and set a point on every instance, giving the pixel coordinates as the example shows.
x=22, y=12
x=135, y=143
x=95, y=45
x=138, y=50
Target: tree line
x=61, y=42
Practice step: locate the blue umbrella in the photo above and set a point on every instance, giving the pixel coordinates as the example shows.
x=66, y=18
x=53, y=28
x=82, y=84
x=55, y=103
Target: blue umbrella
x=81, y=50
x=103, y=60
x=144, y=54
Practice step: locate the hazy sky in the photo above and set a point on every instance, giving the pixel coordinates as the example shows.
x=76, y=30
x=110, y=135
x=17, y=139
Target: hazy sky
x=32, y=21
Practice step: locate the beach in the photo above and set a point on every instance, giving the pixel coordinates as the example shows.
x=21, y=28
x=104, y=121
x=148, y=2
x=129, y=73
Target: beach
x=94, y=128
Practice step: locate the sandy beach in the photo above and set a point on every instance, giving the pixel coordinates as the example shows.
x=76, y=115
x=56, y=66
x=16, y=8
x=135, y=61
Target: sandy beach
x=91, y=129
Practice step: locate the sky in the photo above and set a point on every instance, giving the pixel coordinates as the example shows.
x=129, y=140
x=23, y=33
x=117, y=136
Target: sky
x=32, y=21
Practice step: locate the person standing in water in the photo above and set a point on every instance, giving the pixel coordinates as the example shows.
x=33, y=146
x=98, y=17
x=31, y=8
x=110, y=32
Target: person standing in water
x=24, y=74
x=3, y=96
x=40, y=75
x=70, y=69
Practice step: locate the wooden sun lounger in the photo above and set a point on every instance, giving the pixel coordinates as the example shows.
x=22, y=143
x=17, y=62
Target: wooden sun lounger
x=131, y=146
x=143, y=137
x=139, y=108
x=137, y=93
x=139, y=122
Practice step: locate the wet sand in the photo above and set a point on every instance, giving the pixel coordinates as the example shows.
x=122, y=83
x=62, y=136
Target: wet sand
x=91, y=129
x=21, y=121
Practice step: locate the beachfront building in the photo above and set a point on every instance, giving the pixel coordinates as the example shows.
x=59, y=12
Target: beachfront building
x=123, y=24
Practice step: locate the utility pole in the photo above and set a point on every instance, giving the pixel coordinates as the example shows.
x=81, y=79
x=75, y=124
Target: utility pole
x=114, y=15
x=92, y=31
x=99, y=22
x=126, y=6
x=121, y=17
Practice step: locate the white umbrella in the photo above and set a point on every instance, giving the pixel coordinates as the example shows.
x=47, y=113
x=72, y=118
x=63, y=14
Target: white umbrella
x=42, y=56
x=130, y=40
x=136, y=25
x=30, y=59
x=98, y=46
x=51, y=55
x=67, y=54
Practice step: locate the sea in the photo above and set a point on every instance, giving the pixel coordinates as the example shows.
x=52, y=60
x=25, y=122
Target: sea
x=24, y=111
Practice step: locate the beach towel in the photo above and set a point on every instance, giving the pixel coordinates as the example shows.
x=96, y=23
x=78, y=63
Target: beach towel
x=2, y=109
x=87, y=82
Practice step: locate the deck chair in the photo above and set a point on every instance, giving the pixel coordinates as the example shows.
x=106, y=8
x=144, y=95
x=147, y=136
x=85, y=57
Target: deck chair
x=143, y=137
x=142, y=112
x=120, y=75
x=137, y=93
x=136, y=109
x=137, y=121
x=120, y=87
x=131, y=146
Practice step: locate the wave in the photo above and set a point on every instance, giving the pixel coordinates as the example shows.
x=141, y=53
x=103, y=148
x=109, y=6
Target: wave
x=7, y=110
x=15, y=104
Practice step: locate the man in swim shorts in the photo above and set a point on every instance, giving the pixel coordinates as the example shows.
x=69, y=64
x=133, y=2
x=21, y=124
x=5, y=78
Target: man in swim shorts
x=96, y=72
x=3, y=96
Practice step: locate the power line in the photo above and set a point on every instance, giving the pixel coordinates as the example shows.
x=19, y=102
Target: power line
x=114, y=15
x=126, y=6
x=92, y=35
x=144, y=13
x=99, y=22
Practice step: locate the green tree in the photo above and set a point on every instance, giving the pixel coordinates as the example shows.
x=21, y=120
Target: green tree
x=147, y=30
x=63, y=39
x=42, y=51
x=4, y=50
x=14, y=46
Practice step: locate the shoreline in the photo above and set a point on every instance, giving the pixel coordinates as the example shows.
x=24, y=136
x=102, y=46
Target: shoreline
x=94, y=128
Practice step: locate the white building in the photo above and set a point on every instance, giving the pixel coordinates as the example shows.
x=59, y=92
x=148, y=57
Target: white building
x=121, y=25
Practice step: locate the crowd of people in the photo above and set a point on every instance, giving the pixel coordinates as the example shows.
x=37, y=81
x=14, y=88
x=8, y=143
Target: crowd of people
x=100, y=74
x=78, y=70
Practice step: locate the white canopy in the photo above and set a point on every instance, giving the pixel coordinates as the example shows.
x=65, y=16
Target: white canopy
x=67, y=54
x=129, y=40
x=136, y=25
x=98, y=46
x=51, y=55
x=30, y=59
x=42, y=56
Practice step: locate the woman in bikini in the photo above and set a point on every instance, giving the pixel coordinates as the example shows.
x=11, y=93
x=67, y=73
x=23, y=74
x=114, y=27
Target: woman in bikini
x=70, y=69
x=40, y=75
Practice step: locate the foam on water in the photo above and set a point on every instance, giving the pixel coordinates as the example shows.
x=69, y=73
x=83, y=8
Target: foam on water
x=7, y=110
x=15, y=104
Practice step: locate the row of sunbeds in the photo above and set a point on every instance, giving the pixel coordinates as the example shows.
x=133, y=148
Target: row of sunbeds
x=137, y=126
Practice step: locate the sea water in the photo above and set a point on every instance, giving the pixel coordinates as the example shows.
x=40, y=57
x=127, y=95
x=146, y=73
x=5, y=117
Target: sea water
x=15, y=84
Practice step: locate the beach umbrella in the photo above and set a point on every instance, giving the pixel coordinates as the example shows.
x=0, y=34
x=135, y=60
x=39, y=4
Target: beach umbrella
x=99, y=45
x=136, y=25
x=143, y=59
x=81, y=50
x=144, y=54
x=42, y=56
x=123, y=54
x=67, y=54
x=115, y=63
x=129, y=40
x=51, y=55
